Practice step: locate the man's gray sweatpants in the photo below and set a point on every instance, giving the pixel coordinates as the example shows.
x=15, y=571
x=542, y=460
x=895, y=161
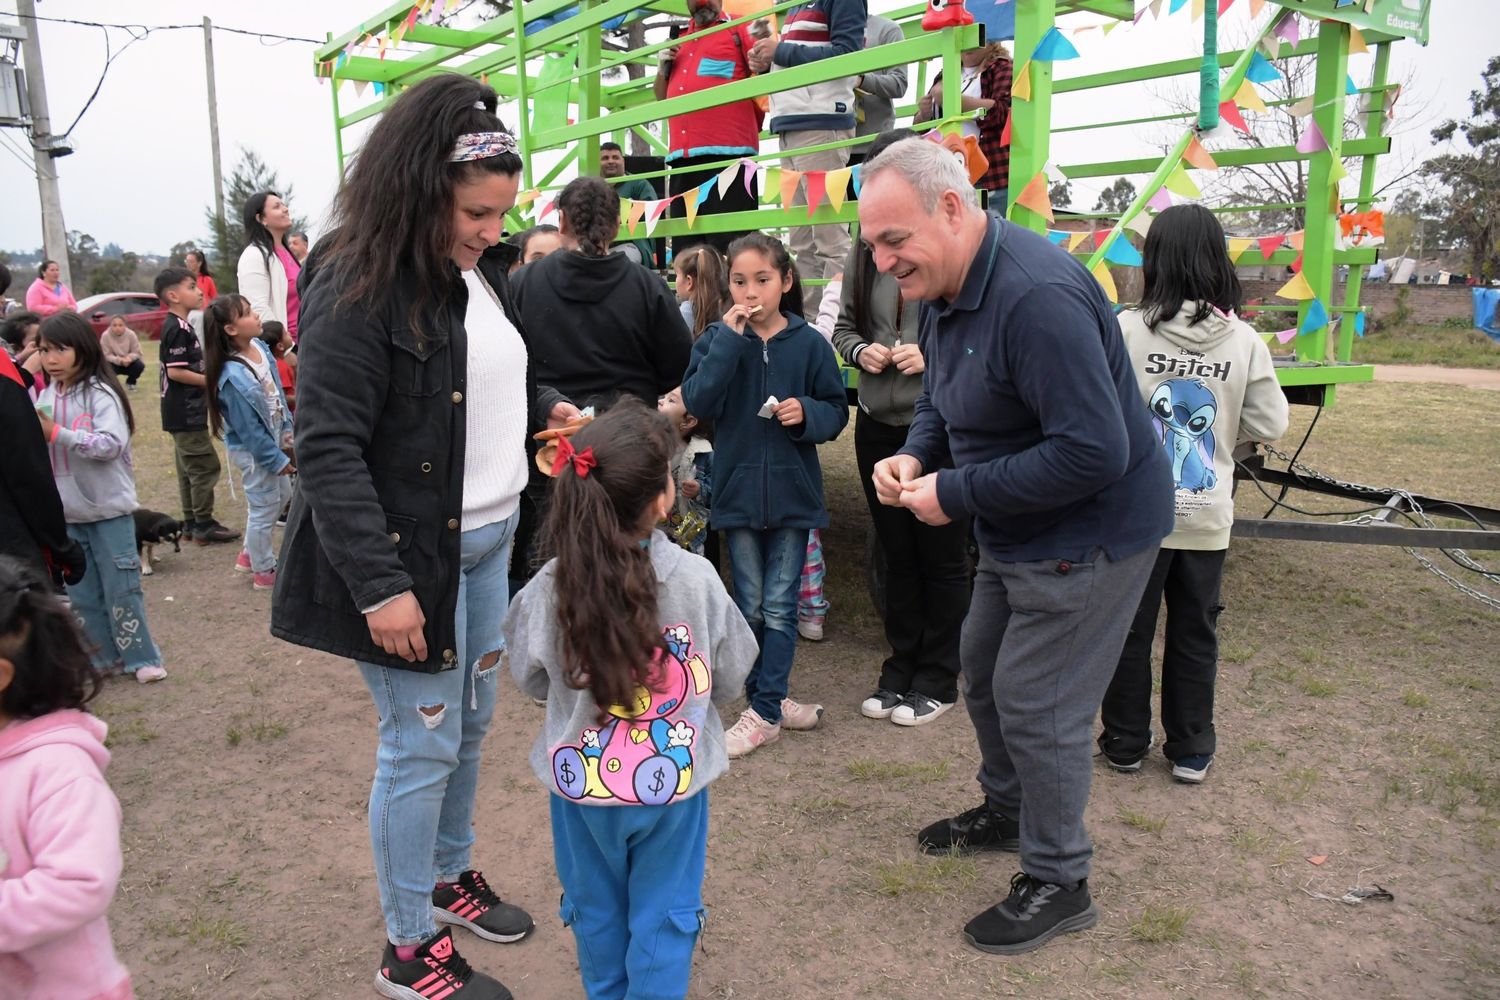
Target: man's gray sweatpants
x=1040, y=645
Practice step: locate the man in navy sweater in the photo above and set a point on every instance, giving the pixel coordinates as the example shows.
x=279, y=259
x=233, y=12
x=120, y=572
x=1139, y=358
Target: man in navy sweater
x=1029, y=389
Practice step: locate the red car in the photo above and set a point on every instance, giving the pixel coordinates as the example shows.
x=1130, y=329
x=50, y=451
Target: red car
x=143, y=312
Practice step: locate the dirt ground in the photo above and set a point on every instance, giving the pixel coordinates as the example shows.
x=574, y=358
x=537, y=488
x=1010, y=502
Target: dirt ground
x=1476, y=378
x=1357, y=709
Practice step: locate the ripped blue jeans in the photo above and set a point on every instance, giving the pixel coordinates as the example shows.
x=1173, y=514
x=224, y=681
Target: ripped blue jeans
x=431, y=726
x=108, y=600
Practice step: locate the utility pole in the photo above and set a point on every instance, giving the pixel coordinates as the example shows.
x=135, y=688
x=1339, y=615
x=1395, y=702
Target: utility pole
x=213, y=128
x=54, y=233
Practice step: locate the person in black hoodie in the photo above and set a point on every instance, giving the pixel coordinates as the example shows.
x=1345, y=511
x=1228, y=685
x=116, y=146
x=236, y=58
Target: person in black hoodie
x=416, y=409
x=605, y=327
x=32, y=528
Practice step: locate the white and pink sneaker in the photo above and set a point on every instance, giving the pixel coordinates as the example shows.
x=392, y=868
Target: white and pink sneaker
x=242, y=562
x=749, y=734
x=797, y=716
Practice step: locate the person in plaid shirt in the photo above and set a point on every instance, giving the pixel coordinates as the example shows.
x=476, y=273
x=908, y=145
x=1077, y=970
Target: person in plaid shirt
x=986, y=84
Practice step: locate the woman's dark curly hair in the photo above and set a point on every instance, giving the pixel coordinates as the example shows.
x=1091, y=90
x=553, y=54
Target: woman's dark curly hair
x=41, y=639
x=591, y=213
x=394, y=213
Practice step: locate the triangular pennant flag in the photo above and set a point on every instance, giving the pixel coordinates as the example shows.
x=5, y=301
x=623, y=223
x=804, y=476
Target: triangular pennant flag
x=771, y=185
x=1176, y=6
x=856, y=174
x=1020, y=87
x=625, y=204
x=1297, y=240
x=1249, y=98
x=1316, y=318
x=382, y=43
x=1140, y=224
x=359, y=87
x=1237, y=247
x=1100, y=235
x=546, y=210
x=1178, y=182
x=1225, y=5
x=1297, y=264
x=690, y=204
x=1289, y=30
x=1121, y=252
x=817, y=181
x=1106, y=281
x=1155, y=14
x=1198, y=156
x=1312, y=140
x=1336, y=171
x=1297, y=289
x=1303, y=106
x=379, y=89
x=1005, y=131
x=836, y=184
x=751, y=168
x=526, y=198
x=1111, y=26
x=704, y=190
x=1056, y=237
x=1269, y=245
x=789, y=181
x=1256, y=6
x=726, y=177
x=1288, y=335
x=1359, y=323
x=1054, y=46
x=1197, y=9
x=1261, y=70
x=654, y=211
x=1161, y=200
x=1357, y=41
x=1230, y=112
x=1034, y=196
x=1074, y=239
x=637, y=209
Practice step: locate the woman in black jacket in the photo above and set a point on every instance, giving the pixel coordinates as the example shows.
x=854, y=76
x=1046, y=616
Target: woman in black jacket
x=398, y=542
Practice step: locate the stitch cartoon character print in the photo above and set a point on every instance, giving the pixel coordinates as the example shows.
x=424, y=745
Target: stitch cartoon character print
x=644, y=754
x=1183, y=412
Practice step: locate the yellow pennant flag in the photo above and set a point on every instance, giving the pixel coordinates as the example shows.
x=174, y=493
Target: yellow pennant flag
x=1249, y=98
x=1197, y=9
x=1238, y=246
x=1106, y=281
x=772, y=184
x=690, y=203
x=789, y=181
x=1020, y=87
x=1110, y=26
x=1034, y=196
x=1357, y=41
x=1198, y=156
x=624, y=210
x=836, y=186
x=1336, y=172
x=526, y=198
x=1297, y=289
x=1076, y=239
x=1178, y=182
x=637, y=209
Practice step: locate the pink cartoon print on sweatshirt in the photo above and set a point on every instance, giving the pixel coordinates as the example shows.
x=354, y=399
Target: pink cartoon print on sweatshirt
x=644, y=755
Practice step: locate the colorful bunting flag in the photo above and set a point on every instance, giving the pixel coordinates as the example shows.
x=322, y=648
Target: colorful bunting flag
x=836, y=183
x=637, y=209
x=1197, y=9
x=691, y=206
x=1256, y=6
x=1100, y=235
x=1349, y=87
x=1056, y=237
x=1359, y=323
x=1034, y=196
x=1198, y=156
x=1336, y=171
x=1005, y=132
x=1357, y=41
x=751, y=167
x=1178, y=182
x=1123, y=253
x=1225, y=5
x=771, y=185
x=1161, y=200
x=856, y=179
x=1020, y=87
x=726, y=178
x=1297, y=240
x=1237, y=248
x=1316, y=318
x=1269, y=245
x=1106, y=281
x=1176, y=6
x=1289, y=30
x=1248, y=98
x=1229, y=112
x=1075, y=240
x=1312, y=140
x=526, y=198
x=816, y=182
x=789, y=181
x=1140, y=224
x=1155, y=15
x=1054, y=47
x=1303, y=106
x=1297, y=263
x=1288, y=335
x=1261, y=70
x=1297, y=289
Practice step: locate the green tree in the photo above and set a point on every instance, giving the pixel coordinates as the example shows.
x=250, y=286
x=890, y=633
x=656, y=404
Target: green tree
x=1469, y=207
x=1117, y=197
x=225, y=244
x=83, y=256
x=1061, y=194
x=114, y=275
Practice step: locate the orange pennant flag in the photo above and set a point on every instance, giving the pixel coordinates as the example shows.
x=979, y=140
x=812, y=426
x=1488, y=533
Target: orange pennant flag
x=789, y=181
x=526, y=198
x=1034, y=196
x=1106, y=281
x=817, y=181
x=1198, y=156
x=637, y=209
x=1249, y=98
x=836, y=183
x=1256, y=6
x=1297, y=289
x=1357, y=41
x=1297, y=239
x=1020, y=87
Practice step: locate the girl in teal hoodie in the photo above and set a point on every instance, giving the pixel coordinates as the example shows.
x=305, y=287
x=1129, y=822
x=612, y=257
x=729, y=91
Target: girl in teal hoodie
x=770, y=383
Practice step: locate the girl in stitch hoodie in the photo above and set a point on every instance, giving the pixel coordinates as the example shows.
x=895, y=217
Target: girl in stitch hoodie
x=771, y=386
x=59, y=821
x=1208, y=381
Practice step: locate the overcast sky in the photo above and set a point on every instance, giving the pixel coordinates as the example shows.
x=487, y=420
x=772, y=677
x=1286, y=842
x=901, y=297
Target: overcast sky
x=141, y=176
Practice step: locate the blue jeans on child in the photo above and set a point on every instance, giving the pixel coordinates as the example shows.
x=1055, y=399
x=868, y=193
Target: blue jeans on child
x=632, y=879
x=427, y=764
x=108, y=600
x=266, y=494
x=767, y=567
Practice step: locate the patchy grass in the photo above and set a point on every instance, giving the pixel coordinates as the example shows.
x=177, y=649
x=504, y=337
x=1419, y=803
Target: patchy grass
x=869, y=769
x=1463, y=347
x=1160, y=924
x=1412, y=698
x=1145, y=822
x=940, y=873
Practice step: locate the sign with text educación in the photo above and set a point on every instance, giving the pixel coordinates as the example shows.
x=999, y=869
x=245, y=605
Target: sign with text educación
x=1406, y=18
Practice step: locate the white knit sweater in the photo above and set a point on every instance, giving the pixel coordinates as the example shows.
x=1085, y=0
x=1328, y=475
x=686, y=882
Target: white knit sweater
x=495, y=416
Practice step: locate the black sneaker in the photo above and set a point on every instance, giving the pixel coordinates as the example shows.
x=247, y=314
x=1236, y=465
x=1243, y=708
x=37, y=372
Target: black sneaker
x=1034, y=913
x=471, y=903
x=918, y=710
x=209, y=532
x=1124, y=763
x=436, y=970
x=979, y=829
x=881, y=704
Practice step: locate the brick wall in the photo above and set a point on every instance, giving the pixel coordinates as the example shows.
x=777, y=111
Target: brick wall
x=1429, y=305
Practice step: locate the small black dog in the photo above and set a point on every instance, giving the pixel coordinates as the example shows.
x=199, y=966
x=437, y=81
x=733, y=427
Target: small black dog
x=153, y=529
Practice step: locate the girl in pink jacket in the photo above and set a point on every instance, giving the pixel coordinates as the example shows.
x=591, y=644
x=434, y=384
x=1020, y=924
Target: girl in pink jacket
x=59, y=822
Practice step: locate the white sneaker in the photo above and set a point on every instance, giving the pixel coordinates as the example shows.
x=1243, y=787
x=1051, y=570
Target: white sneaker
x=881, y=704
x=148, y=674
x=810, y=630
x=795, y=715
x=918, y=710
x=750, y=733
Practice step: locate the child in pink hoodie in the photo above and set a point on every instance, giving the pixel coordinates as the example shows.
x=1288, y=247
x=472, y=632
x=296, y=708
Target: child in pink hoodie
x=59, y=822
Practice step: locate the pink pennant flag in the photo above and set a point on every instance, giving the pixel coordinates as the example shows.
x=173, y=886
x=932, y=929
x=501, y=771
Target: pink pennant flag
x=751, y=168
x=654, y=211
x=1289, y=30
x=1161, y=200
x=1225, y=5
x=546, y=210
x=1287, y=336
x=1312, y=140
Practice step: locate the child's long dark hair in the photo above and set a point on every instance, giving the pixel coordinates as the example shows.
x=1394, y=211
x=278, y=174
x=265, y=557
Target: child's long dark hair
x=710, y=277
x=68, y=329
x=780, y=259
x=1186, y=261
x=219, y=349
x=604, y=583
x=40, y=637
x=592, y=211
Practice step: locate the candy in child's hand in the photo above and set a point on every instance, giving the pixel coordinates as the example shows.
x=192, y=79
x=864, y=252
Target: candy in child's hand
x=754, y=310
x=768, y=410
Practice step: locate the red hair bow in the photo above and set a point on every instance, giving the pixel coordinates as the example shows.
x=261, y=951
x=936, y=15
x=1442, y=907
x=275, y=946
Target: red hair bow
x=582, y=461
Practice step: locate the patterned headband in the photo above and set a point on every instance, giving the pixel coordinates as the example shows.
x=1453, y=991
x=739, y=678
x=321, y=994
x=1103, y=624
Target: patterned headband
x=482, y=145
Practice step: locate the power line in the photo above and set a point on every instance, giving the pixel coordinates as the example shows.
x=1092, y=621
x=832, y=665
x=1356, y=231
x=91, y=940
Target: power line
x=14, y=150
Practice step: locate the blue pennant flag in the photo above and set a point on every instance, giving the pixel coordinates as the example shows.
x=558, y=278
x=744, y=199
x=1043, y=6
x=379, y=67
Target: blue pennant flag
x=1176, y=6
x=1261, y=70
x=1316, y=318
x=997, y=16
x=1349, y=87
x=705, y=189
x=1121, y=252
x=1344, y=3
x=1054, y=47
x=1056, y=237
x=1359, y=323
x=854, y=178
